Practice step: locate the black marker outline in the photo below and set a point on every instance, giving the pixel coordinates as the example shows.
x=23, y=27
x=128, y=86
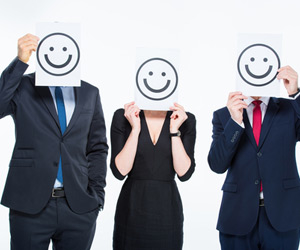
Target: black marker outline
x=60, y=65
x=156, y=90
x=137, y=82
x=38, y=50
x=258, y=76
x=238, y=64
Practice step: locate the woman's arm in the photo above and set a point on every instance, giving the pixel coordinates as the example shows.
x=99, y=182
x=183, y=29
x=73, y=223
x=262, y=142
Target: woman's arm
x=182, y=161
x=125, y=158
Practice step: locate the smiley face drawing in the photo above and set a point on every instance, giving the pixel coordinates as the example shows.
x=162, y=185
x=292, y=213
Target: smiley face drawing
x=58, y=54
x=258, y=64
x=156, y=79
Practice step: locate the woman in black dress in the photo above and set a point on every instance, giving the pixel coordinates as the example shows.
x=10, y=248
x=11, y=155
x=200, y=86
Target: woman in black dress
x=148, y=148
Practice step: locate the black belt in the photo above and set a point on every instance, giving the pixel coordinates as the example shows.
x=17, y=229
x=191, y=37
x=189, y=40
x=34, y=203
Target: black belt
x=58, y=192
x=261, y=202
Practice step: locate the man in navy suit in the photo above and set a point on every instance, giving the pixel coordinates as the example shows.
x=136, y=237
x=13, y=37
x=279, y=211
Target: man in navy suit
x=57, y=130
x=254, y=140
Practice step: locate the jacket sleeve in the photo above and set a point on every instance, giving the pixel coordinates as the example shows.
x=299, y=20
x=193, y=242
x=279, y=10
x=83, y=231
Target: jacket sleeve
x=9, y=82
x=97, y=150
x=296, y=106
x=188, y=130
x=225, y=143
x=118, y=139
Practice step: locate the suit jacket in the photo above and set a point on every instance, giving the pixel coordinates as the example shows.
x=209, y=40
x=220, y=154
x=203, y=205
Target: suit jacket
x=273, y=162
x=39, y=145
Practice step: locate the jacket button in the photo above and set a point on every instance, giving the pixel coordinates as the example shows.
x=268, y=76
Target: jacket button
x=256, y=182
x=259, y=154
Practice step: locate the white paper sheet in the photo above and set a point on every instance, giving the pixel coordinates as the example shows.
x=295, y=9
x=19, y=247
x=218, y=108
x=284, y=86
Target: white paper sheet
x=58, y=54
x=257, y=64
x=156, y=83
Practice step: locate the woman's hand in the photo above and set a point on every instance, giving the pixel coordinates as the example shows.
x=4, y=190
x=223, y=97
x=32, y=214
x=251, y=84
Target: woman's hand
x=125, y=159
x=177, y=118
x=132, y=114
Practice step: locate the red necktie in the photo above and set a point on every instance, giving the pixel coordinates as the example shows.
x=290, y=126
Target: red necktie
x=256, y=126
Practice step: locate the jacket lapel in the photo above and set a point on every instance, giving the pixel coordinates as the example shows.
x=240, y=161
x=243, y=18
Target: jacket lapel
x=272, y=110
x=46, y=96
x=248, y=129
x=78, y=106
x=47, y=99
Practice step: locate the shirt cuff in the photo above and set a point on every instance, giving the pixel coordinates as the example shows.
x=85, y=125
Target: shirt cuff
x=296, y=94
x=240, y=124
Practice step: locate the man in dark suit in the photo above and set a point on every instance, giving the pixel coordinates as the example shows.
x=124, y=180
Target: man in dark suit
x=254, y=140
x=57, y=130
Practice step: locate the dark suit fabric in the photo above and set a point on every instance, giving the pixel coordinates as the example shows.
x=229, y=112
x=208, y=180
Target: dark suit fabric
x=66, y=229
x=273, y=162
x=262, y=237
x=39, y=145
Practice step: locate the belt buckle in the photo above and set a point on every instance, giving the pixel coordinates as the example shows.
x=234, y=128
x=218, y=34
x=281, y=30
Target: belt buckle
x=53, y=192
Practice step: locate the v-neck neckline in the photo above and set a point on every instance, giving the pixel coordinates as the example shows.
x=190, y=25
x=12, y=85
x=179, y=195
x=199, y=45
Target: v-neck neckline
x=148, y=131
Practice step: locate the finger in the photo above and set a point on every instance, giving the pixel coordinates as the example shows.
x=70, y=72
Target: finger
x=237, y=97
x=231, y=94
x=285, y=68
x=238, y=106
x=28, y=48
x=174, y=108
x=33, y=39
x=130, y=110
x=238, y=102
x=177, y=114
x=27, y=43
x=174, y=116
x=133, y=111
x=128, y=104
x=137, y=113
x=287, y=75
x=178, y=105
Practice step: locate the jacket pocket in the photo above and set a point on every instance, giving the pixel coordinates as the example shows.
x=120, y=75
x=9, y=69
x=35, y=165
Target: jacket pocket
x=21, y=163
x=229, y=187
x=291, y=183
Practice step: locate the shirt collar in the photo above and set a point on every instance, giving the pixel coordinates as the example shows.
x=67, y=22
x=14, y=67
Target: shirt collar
x=264, y=99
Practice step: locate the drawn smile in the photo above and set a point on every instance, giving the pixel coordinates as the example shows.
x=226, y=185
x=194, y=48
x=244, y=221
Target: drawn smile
x=258, y=76
x=60, y=65
x=156, y=90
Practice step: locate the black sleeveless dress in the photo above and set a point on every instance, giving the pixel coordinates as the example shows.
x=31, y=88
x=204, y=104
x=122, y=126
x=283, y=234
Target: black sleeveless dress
x=149, y=210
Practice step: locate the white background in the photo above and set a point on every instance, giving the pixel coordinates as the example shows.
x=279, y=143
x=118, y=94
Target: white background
x=206, y=34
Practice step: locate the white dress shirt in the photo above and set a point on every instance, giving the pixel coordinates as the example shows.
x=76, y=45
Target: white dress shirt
x=69, y=102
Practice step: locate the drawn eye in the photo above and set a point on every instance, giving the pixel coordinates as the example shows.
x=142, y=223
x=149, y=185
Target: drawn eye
x=51, y=48
x=252, y=59
x=150, y=73
x=163, y=74
x=265, y=59
x=64, y=49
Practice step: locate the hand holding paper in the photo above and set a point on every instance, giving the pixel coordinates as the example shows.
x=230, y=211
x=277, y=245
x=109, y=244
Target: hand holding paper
x=290, y=79
x=235, y=105
x=131, y=113
x=177, y=118
x=26, y=45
